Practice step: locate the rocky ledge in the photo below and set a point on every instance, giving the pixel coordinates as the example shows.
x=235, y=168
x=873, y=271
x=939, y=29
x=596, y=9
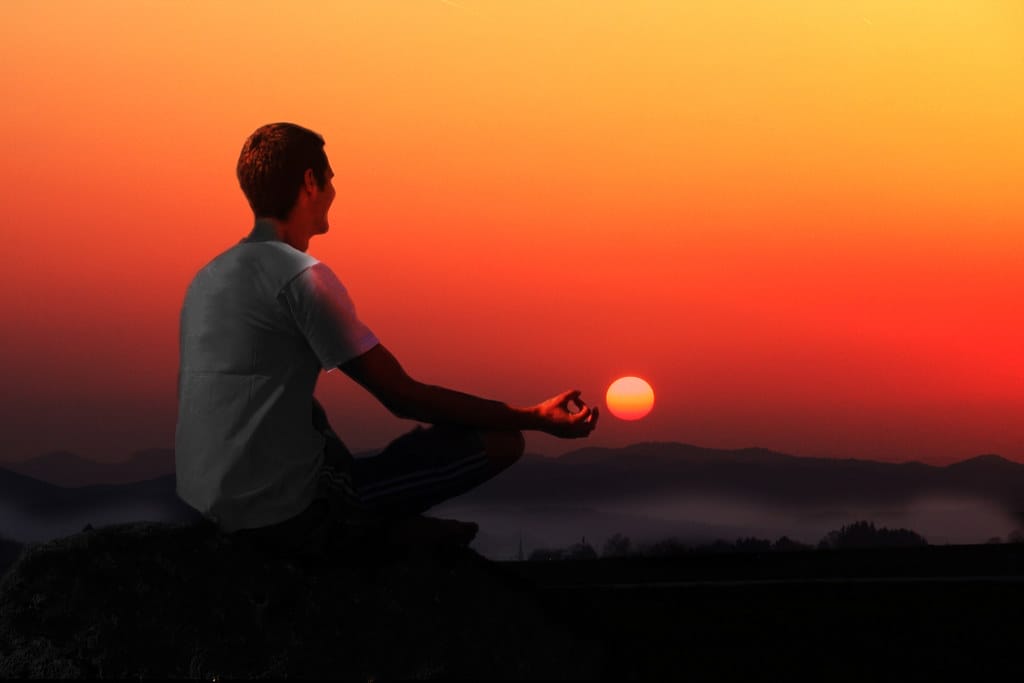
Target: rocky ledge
x=185, y=601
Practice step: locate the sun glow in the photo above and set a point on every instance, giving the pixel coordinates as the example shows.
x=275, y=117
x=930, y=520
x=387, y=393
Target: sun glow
x=630, y=398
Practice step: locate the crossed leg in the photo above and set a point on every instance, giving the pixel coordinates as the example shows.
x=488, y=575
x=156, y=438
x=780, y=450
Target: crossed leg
x=416, y=471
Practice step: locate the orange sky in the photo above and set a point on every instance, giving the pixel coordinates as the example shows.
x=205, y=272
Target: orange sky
x=801, y=221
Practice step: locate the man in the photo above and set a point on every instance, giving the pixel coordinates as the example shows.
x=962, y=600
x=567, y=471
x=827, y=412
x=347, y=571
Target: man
x=254, y=452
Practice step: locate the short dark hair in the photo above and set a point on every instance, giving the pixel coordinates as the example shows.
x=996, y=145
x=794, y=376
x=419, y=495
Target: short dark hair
x=272, y=167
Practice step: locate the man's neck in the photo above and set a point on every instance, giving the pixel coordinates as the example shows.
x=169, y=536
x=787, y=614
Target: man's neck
x=268, y=229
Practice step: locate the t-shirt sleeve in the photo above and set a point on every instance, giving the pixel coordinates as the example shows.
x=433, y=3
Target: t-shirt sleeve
x=327, y=317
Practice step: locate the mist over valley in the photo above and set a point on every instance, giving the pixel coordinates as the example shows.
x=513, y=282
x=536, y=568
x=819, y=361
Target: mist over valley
x=647, y=492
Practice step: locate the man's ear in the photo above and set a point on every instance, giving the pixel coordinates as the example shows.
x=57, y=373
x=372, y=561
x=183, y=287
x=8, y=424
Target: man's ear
x=310, y=181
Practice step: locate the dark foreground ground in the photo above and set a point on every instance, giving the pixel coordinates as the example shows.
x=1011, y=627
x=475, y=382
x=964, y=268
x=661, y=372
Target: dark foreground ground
x=148, y=600
x=910, y=613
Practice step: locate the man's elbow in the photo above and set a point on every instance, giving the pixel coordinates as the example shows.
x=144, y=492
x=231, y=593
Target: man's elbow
x=400, y=409
x=405, y=404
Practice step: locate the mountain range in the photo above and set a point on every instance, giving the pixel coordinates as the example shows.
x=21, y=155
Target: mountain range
x=59, y=493
x=67, y=469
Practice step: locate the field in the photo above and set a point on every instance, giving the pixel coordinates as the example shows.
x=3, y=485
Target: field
x=828, y=615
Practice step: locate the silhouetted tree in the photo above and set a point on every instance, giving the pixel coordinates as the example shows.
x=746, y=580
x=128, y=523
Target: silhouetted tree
x=581, y=551
x=864, y=534
x=753, y=545
x=546, y=554
x=667, y=547
x=616, y=546
x=786, y=544
x=717, y=546
x=1015, y=536
x=577, y=551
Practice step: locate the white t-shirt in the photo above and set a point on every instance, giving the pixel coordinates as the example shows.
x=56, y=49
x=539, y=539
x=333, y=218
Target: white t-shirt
x=257, y=325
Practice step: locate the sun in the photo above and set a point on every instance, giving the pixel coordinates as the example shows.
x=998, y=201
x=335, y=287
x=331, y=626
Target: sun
x=630, y=398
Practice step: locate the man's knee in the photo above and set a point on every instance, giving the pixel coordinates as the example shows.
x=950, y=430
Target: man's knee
x=503, y=448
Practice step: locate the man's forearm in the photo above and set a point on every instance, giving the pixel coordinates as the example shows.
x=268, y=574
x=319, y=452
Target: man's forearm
x=380, y=373
x=438, y=405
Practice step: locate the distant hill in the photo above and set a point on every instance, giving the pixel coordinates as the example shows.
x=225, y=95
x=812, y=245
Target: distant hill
x=67, y=469
x=62, y=468
x=33, y=511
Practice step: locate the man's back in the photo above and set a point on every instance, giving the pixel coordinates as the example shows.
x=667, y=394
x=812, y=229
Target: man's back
x=245, y=450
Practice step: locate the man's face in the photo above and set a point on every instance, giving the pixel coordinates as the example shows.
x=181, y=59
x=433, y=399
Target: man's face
x=322, y=203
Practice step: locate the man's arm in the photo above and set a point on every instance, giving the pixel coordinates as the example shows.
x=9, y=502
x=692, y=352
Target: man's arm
x=380, y=373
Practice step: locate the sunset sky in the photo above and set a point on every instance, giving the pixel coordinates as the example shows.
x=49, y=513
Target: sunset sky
x=801, y=221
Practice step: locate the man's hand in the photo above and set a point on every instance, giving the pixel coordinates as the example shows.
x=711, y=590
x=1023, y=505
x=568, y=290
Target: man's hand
x=557, y=417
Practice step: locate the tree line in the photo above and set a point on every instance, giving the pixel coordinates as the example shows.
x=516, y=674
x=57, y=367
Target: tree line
x=861, y=534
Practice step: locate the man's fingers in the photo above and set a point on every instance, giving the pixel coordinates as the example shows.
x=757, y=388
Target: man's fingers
x=565, y=397
x=583, y=415
x=578, y=423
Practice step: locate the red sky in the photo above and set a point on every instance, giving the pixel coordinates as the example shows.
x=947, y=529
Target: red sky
x=801, y=221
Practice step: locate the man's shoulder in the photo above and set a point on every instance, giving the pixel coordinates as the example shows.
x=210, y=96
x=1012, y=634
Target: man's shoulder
x=276, y=262
x=317, y=281
x=269, y=252
x=279, y=255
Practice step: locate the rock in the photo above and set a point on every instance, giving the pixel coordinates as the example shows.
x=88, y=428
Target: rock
x=9, y=551
x=186, y=601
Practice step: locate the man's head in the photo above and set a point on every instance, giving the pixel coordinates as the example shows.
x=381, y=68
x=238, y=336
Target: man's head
x=273, y=164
